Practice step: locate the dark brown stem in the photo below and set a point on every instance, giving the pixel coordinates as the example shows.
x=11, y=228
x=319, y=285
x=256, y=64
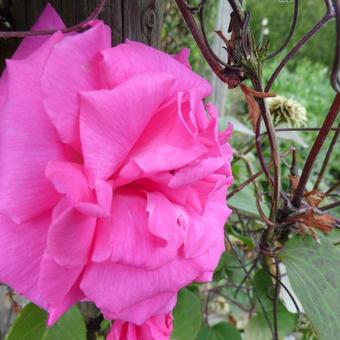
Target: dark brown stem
x=335, y=76
x=329, y=121
x=327, y=158
x=291, y=31
x=304, y=129
x=202, y=43
x=276, y=299
x=297, y=48
x=84, y=24
x=332, y=188
x=330, y=206
x=274, y=149
x=252, y=177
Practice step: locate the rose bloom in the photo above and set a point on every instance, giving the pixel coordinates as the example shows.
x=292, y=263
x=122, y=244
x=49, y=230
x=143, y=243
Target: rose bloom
x=113, y=176
x=158, y=328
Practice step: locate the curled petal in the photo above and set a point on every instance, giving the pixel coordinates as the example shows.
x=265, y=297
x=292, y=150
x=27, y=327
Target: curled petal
x=112, y=121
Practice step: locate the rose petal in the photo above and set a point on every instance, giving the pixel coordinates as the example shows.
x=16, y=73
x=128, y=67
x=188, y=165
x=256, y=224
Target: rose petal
x=165, y=144
x=69, y=70
x=183, y=57
x=130, y=230
x=124, y=61
x=56, y=290
x=163, y=220
x=135, y=294
x=21, y=250
x=48, y=20
x=70, y=179
x=111, y=121
x=27, y=140
x=156, y=328
x=70, y=237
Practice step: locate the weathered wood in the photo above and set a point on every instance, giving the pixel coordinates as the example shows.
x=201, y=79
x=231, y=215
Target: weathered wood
x=134, y=19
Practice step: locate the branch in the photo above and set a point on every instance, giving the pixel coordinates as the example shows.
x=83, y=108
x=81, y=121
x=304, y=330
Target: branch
x=327, y=158
x=330, y=206
x=335, y=76
x=332, y=188
x=256, y=80
x=329, y=15
x=329, y=121
x=252, y=177
x=291, y=31
x=84, y=24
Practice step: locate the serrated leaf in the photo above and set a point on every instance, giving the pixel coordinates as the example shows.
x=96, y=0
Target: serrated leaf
x=31, y=324
x=313, y=269
x=187, y=316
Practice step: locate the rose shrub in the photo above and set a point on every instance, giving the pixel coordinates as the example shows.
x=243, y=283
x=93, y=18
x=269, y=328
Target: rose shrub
x=113, y=175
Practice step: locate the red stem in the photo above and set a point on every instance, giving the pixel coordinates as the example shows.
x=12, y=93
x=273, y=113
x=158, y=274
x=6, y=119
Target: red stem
x=297, y=48
x=326, y=127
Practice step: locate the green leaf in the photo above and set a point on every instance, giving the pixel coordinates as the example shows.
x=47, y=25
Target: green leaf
x=248, y=242
x=227, y=331
x=187, y=316
x=31, y=324
x=220, y=331
x=70, y=327
x=314, y=272
x=245, y=201
x=207, y=333
x=257, y=327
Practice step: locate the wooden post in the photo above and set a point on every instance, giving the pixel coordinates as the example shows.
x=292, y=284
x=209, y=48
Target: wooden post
x=133, y=19
x=219, y=95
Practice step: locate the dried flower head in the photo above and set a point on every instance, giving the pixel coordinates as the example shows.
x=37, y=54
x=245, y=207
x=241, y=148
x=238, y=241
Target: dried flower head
x=285, y=110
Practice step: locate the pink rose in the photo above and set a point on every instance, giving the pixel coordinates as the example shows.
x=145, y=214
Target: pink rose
x=156, y=328
x=113, y=175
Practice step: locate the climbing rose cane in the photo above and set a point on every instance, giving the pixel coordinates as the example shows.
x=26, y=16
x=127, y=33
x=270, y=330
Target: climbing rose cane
x=113, y=175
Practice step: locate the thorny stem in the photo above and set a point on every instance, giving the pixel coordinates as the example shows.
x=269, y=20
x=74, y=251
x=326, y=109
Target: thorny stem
x=297, y=47
x=333, y=112
x=327, y=158
x=84, y=24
